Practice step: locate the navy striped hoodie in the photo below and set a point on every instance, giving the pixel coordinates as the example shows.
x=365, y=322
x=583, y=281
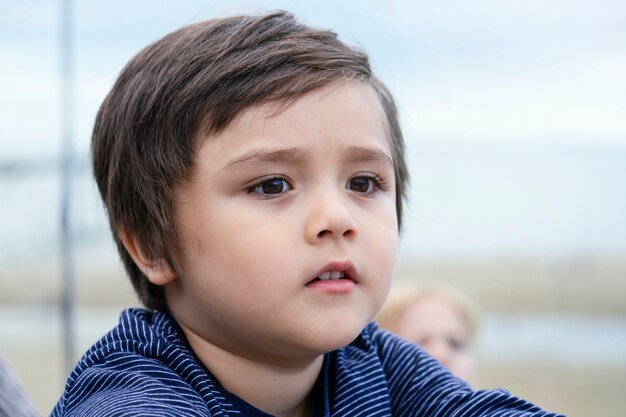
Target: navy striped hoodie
x=144, y=367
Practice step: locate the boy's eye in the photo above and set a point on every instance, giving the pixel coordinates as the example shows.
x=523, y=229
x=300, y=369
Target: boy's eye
x=363, y=185
x=270, y=187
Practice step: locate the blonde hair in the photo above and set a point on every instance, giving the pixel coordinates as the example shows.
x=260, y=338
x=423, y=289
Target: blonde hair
x=404, y=296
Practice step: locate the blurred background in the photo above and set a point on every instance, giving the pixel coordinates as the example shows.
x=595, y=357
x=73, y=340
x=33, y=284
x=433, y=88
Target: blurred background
x=515, y=119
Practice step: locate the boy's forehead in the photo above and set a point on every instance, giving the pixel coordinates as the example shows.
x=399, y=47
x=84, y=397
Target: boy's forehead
x=273, y=107
x=357, y=97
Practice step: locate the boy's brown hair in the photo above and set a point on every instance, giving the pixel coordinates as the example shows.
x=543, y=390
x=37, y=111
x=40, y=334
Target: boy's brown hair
x=192, y=83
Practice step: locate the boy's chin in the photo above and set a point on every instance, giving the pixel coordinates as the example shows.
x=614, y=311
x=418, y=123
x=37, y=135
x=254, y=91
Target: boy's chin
x=335, y=336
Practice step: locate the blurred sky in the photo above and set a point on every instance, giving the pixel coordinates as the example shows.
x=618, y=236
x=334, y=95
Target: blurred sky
x=514, y=111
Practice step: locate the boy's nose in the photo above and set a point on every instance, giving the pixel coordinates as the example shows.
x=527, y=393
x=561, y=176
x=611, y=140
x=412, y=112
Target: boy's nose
x=330, y=218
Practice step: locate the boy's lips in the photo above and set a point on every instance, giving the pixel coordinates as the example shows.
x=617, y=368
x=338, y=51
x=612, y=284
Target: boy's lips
x=334, y=271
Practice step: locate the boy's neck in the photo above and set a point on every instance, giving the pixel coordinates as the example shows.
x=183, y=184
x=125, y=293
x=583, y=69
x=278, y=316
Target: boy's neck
x=282, y=391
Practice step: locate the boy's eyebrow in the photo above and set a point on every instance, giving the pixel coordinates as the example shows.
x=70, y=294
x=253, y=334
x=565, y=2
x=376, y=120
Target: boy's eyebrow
x=296, y=155
x=363, y=154
x=260, y=156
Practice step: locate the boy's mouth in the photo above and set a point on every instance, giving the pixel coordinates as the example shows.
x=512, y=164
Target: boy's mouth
x=331, y=275
x=342, y=270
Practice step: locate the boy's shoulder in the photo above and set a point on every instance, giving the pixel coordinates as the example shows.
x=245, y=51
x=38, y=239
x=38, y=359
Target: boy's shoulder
x=140, y=336
x=386, y=367
x=389, y=352
x=398, y=371
x=141, y=367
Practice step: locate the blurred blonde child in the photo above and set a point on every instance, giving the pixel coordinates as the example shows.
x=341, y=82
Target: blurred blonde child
x=440, y=319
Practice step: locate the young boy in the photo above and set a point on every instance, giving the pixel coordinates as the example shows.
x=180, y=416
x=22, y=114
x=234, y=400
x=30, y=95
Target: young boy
x=253, y=172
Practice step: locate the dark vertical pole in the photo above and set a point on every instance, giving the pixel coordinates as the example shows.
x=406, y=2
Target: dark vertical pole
x=67, y=259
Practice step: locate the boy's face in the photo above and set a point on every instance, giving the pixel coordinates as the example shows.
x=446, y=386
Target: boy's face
x=276, y=200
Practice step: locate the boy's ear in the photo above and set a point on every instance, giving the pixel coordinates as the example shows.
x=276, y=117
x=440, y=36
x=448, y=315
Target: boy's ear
x=158, y=270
